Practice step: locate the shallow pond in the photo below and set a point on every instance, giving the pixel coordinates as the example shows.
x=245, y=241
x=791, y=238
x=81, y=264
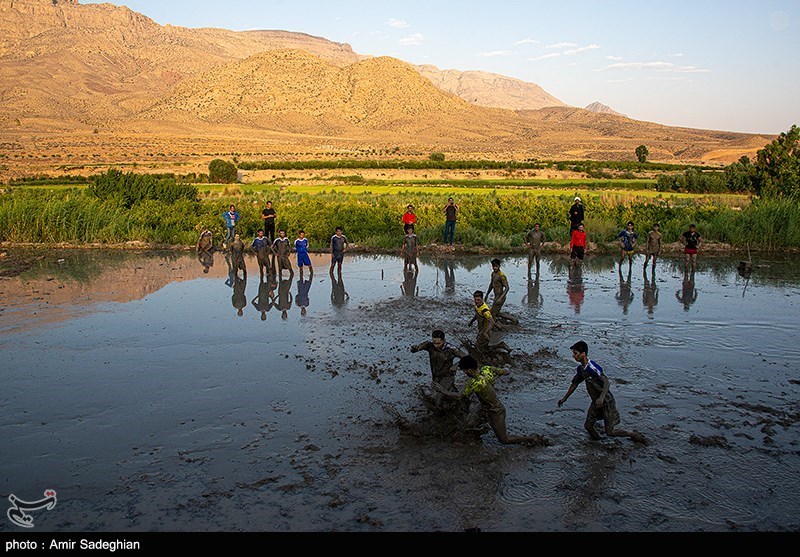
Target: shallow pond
x=152, y=394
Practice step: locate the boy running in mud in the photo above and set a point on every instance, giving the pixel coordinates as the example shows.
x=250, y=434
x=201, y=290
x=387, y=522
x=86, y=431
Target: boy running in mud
x=486, y=322
x=603, y=406
x=410, y=250
x=282, y=249
x=498, y=285
x=442, y=355
x=481, y=383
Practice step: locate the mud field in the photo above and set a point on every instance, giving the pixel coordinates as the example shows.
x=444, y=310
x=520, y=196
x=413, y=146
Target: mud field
x=136, y=388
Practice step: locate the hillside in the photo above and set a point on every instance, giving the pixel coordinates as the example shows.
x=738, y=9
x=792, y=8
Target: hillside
x=600, y=108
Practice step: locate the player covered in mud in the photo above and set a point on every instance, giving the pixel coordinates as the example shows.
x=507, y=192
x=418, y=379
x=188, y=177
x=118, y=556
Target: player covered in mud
x=534, y=239
x=262, y=246
x=442, y=355
x=410, y=250
x=205, y=249
x=498, y=285
x=480, y=383
x=237, y=256
x=282, y=249
x=339, y=245
x=603, y=406
x=483, y=315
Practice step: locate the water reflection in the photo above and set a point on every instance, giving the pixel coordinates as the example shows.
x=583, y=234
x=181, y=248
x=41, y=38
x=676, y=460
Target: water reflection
x=687, y=295
x=449, y=277
x=649, y=291
x=625, y=294
x=239, y=299
x=303, y=290
x=266, y=296
x=284, y=297
x=409, y=286
x=339, y=296
x=575, y=288
x=206, y=259
x=533, y=298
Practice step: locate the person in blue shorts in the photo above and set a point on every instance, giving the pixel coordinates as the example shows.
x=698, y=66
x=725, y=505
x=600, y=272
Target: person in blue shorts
x=603, y=406
x=301, y=249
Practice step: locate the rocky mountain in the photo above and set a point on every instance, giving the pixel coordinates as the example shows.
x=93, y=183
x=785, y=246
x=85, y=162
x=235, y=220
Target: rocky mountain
x=134, y=86
x=490, y=90
x=600, y=108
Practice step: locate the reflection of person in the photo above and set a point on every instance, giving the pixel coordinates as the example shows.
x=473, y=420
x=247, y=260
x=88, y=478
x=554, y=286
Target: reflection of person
x=603, y=406
x=627, y=243
x=534, y=239
x=687, y=295
x=205, y=250
x=231, y=218
x=265, y=299
x=339, y=245
x=449, y=277
x=576, y=214
x=650, y=291
x=575, y=288
x=301, y=249
x=410, y=249
x=237, y=255
x=339, y=296
x=284, y=303
x=691, y=241
x=263, y=248
x=409, y=217
x=441, y=355
x=303, y=289
x=577, y=246
x=625, y=294
x=481, y=383
x=238, y=299
x=653, y=246
x=282, y=248
x=533, y=297
x=268, y=215
x=450, y=211
x=409, y=285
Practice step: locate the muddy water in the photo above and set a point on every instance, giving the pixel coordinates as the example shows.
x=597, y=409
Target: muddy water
x=135, y=387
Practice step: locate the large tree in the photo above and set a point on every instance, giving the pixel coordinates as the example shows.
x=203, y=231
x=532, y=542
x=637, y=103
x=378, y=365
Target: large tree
x=777, y=168
x=641, y=153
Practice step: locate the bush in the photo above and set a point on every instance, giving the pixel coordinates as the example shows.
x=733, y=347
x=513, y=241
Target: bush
x=222, y=172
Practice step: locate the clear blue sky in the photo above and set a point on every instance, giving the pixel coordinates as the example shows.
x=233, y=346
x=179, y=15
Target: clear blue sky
x=727, y=65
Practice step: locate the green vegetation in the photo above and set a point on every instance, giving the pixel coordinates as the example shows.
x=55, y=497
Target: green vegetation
x=222, y=172
x=437, y=157
x=641, y=153
x=129, y=189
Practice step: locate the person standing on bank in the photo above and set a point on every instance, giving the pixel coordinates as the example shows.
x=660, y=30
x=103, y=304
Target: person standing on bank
x=691, y=241
x=268, y=216
x=535, y=239
x=231, y=217
x=409, y=218
x=653, y=246
x=450, y=211
x=576, y=214
x=627, y=244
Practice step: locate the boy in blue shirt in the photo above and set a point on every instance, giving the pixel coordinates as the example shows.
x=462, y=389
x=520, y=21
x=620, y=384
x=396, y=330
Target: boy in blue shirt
x=603, y=406
x=301, y=248
x=627, y=243
x=231, y=217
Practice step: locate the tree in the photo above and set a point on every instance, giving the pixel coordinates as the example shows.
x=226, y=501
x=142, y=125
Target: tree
x=438, y=157
x=641, y=153
x=222, y=172
x=777, y=168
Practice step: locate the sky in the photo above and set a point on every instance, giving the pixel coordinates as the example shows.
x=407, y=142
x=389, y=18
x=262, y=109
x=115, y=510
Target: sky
x=730, y=65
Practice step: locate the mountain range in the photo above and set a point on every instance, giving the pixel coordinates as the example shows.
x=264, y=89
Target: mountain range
x=69, y=70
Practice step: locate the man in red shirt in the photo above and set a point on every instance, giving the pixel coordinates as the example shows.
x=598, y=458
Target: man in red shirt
x=409, y=217
x=577, y=246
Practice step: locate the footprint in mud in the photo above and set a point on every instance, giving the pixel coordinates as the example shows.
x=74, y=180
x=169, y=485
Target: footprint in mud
x=710, y=441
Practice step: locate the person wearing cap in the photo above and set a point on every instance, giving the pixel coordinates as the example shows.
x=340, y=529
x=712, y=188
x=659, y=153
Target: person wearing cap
x=576, y=214
x=603, y=406
x=481, y=384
